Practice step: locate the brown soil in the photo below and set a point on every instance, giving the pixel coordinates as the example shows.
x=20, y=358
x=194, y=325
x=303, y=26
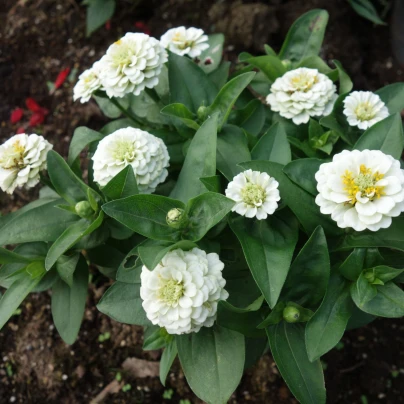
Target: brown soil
x=38, y=38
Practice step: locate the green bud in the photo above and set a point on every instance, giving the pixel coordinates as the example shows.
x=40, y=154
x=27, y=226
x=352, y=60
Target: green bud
x=84, y=209
x=370, y=276
x=176, y=218
x=202, y=112
x=287, y=63
x=291, y=314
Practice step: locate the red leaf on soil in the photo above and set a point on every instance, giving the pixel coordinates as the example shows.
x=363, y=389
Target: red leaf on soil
x=37, y=118
x=108, y=25
x=21, y=129
x=16, y=115
x=141, y=26
x=62, y=77
x=32, y=105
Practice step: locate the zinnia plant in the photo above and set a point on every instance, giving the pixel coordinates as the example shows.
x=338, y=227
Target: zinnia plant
x=233, y=209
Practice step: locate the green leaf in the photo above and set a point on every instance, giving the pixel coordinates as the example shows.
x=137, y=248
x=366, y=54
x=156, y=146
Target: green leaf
x=220, y=75
x=315, y=62
x=251, y=118
x=15, y=295
x=122, y=185
x=98, y=13
x=181, y=112
x=213, y=53
x=302, y=172
x=122, y=302
x=254, y=306
x=130, y=268
x=213, y=362
x=268, y=247
x=305, y=36
x=65, y=267
x=367, y=10
x=167, y=359
x=308, y=275
x=352, y=267
x=155, y=338
x=345, y=82
x=82, y=137
x=271, y=66
x=200, y=161
x=273, y=146
x=68, y=303
x=189, y=85
x=41, y=223
x=393, y=96
x=305, y=379
x=212, y=184
x=274, y=317
x=385, y=273
x=9, y=257
x=225, y=100
x=328, y=324
x=386, y=135
x=362, y=291
x=389, y=302
x=232, y=149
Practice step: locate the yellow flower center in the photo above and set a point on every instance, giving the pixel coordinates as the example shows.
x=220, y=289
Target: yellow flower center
x=124, y=150
x=13, y=156
x=364, y=183
x=303, y=82
x=365, y=111
x=122, y=54
x=253, y=194
x=171, y=292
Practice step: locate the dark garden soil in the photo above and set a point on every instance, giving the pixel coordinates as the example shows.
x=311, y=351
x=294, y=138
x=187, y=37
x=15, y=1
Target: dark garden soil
x=40, y=38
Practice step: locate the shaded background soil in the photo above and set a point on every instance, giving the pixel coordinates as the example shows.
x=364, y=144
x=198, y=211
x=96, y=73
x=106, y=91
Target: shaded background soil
x=38, y=39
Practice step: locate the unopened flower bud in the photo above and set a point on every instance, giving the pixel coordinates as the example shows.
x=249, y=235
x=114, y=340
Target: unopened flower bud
x=287, y=63
x=202, y=112
x=84, y=209
x=370, y=276
x=291, y=314
x=176, y=218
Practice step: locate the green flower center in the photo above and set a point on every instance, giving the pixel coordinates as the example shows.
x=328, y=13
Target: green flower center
x=122, y=55
x=303, y=82
x=171, y=292
x=124, y=150
x=365, y=111
x=253, y=194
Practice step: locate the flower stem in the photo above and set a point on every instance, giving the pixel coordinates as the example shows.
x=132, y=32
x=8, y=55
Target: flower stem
x=151, y=92
x=126, y=112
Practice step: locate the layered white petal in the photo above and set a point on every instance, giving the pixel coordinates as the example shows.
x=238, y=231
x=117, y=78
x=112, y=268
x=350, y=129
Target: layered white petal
x=89, y=82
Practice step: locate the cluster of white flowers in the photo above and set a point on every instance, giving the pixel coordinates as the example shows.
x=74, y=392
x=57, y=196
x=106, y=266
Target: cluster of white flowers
x=364, y=108
x=147, y=154
x=182, y=292
x=22, y=157
x=185, y=41
x=302, y=93
x=256, y=194
x=361, y=189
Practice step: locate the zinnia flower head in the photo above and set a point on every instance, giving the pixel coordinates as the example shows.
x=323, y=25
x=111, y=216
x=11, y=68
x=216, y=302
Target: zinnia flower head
x=364, y=108
x=131, y=64
x=302, y=93
x=361, y=189
x=147, y=154
x=255, y=193
x=185, y=41
x=22, y=157
x=182, y=292
x=89, y=82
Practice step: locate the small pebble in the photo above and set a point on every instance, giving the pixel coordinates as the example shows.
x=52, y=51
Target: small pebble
x=64, y=377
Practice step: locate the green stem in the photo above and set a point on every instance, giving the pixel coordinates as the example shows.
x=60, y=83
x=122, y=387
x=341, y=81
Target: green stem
x=151, y=92
x=126, y=112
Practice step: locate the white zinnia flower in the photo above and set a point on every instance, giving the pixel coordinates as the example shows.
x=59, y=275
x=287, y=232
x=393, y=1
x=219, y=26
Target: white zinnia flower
x=302, y=93
x=364, y=108
x=182, y=292
x=22, y=157
x=147, y=154
x=89, y=82
x=131, y=64
x=361, y=189
x=256, y=194
x=185, y=41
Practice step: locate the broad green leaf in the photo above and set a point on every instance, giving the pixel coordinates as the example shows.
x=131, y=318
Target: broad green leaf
x=167, y=359
x=328, y=324
x=210, y=58
x=98, y=13
x=225, y=100
x=352, y=267
x=220, y=75
x=251, y=117
x=271, y=66
x=299, y=201
x=393, y=96
x=386, y=135
x=113, y=126
x=385, y=273
x=155, y=338
x=130, y=268
x=389, y=302
x=302, y=172
x=10, y=257
x=65, y=267
x=309, y=273
x=68, y=303
x=305, y=36
x=268, y=247
x=41, y=223
x=273, y=146
x=362, y=291
x=107, y=107
x=305, y=379
x=15, y=294
x=254, y=306
x=122, y=185
x=122, y=302
x=213, y=362
x=345, y=82
x=82, y=137
x=189, y=85
x=315, y=62
x=181, y=112
x=274, y=317
x=146, y=215
x=200, y=161
x=366, y=9
x=232, y=149
x=212, y=184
